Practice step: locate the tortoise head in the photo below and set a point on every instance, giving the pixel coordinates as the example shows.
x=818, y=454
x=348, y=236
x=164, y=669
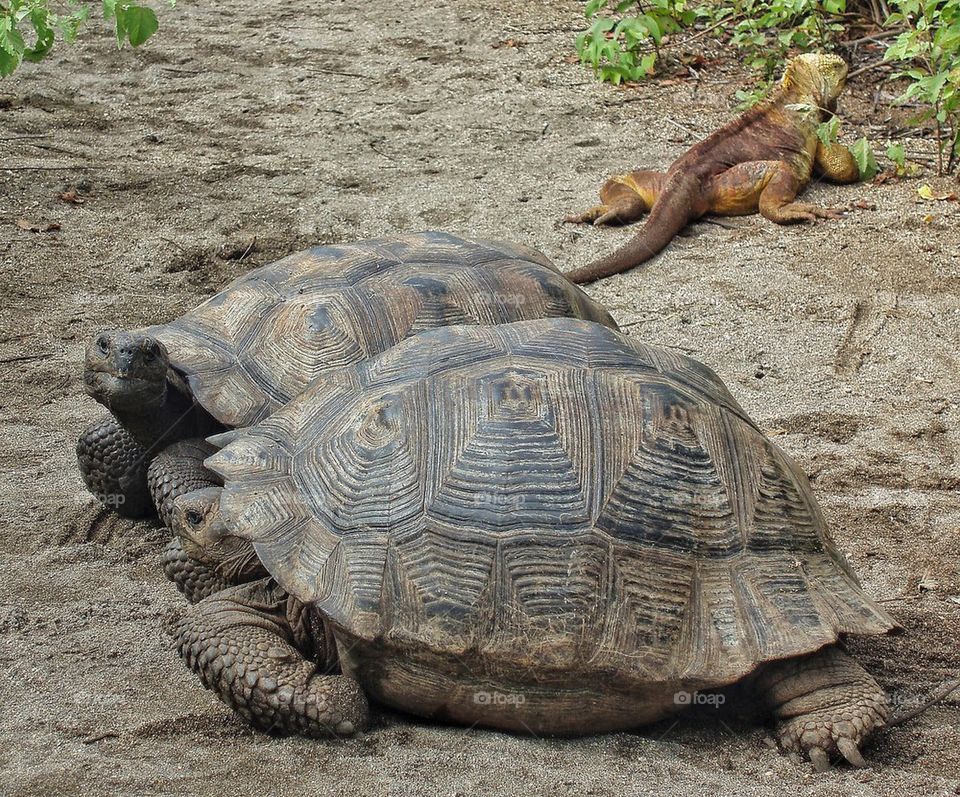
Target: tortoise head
x=204, y=536
x=819, y=75
x=126, y=370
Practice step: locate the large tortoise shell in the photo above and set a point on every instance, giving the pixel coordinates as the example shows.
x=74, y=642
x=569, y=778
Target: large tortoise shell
x=249, y=349
x=550, y=490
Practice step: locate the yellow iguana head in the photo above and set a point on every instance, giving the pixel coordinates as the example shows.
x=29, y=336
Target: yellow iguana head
x=818, y=75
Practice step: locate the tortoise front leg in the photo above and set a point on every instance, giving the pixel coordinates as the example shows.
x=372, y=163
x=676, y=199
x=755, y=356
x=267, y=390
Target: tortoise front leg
x=241, y=642
x=114, y=467
x=826, y=704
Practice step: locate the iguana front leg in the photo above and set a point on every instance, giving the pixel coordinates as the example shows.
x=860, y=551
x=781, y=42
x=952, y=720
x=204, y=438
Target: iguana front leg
x=836, y=163
x=768, y=186
x=624, y=197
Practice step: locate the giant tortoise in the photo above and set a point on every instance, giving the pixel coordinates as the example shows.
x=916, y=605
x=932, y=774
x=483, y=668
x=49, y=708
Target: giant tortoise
x=250, y=348
x=543, y=526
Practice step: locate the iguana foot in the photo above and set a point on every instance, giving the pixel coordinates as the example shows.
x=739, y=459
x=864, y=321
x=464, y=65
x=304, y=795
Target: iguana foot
x=801, y=211
x=624, y=199
x=622, y=212
x=588, y=216
x=827, y=704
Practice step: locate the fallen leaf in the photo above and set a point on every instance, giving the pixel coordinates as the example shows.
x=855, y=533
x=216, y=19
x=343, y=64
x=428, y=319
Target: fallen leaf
x=517, y=43
x=928, y=583
x=883, y=177
x=862, y=204
x=71, y=196
x=237, y=250
x=928, y=219
x=573, y=58
x=926, y=192
x=32, y=226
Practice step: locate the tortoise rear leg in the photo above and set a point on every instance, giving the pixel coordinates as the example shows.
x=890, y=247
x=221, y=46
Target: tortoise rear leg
x=243, y=643
x=114, y=467
x=624, y=198
x=826, y=704
x=178, y=470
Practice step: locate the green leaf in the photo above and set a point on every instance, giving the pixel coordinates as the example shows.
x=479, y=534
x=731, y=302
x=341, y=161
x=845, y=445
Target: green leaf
x=40, y=20
x=141, y=24
x=828, y=131
x=594, y=6
x=11, y=41
x=647, y=63
x=8, y=63
x=120, y=18
x=866, y=162
x=897, y=154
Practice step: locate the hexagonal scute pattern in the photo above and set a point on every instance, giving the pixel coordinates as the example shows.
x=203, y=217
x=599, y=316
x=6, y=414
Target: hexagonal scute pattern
x=546, y=491
x=269, y=334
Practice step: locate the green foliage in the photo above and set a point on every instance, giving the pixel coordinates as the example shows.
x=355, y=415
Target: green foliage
x=929, y=49
x=866, y=161
x=42, y=20
x=829, y=131
x=766, y=30
x=623, y=42
x=627, y=48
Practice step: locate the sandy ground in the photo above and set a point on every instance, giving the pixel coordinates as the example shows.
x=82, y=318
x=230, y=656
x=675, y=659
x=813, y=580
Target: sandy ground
x=340, y=121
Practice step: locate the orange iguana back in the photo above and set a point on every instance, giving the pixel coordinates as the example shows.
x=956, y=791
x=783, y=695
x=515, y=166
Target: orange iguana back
x=760, y=161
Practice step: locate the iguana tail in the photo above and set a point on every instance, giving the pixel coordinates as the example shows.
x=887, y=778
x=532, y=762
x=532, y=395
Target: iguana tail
x=680, y=202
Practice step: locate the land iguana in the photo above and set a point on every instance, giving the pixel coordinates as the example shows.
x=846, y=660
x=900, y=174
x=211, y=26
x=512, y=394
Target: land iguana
x=759, y=161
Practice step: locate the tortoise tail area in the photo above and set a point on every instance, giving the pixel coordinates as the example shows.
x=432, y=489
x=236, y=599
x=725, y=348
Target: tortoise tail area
x=681, y=202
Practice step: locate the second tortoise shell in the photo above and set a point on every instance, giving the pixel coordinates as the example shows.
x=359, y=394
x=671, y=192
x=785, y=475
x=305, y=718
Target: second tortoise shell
x=259, y=342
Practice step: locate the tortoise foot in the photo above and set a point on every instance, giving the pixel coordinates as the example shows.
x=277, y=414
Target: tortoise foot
x=827, y=705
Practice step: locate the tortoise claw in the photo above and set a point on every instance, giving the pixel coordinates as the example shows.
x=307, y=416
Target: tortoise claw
x=820, y=759
x=851, y=752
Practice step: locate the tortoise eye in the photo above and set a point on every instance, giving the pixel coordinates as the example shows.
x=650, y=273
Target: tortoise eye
x=103, y=344
x=193, y=517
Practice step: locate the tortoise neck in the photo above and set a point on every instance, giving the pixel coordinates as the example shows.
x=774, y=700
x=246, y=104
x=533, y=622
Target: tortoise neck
x=156, y=426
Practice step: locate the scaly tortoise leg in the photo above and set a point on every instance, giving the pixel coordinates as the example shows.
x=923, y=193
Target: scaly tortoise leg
x=624, y=198
x=192, y=578
x=242, y=642
x=114, y=467
x=826, y=704
x=175, y=471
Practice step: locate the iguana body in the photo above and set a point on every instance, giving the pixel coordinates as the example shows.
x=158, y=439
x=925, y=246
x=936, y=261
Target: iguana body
x=760, y=162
